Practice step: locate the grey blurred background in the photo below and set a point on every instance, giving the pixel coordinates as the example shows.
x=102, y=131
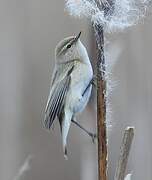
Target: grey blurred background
x=29, y=32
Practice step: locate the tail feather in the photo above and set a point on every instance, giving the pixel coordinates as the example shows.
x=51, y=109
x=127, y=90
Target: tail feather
x=65, y=153
x=65, y=122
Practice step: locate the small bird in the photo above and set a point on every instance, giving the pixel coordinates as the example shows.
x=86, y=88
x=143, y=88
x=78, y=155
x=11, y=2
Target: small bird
x=71, y=86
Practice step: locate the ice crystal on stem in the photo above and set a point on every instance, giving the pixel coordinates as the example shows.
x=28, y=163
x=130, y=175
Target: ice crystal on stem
x=114, y=15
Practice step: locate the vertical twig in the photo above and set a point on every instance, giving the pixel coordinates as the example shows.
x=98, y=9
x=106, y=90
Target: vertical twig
x=124, y=153
x=101, y=104
x=108, y=7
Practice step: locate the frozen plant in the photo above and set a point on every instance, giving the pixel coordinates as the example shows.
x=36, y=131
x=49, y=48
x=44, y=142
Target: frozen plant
x=113, y=16
x=112, y=54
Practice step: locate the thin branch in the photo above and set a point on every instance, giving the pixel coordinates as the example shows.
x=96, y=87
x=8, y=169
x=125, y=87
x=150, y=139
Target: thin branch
x=107, y=6
x=124, y=153
x=101, y=100
x=101, y=104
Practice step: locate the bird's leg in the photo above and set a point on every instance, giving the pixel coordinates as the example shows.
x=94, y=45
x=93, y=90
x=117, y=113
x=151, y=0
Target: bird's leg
x=93, y=82
x=92, y=135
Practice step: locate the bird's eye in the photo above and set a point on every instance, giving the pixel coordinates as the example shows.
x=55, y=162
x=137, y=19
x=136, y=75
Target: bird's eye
x=68, y=46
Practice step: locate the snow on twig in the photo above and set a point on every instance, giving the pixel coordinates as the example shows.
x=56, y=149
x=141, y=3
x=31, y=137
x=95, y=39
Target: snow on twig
x=112, y=16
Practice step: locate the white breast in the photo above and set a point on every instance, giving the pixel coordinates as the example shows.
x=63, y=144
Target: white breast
x=80, y=78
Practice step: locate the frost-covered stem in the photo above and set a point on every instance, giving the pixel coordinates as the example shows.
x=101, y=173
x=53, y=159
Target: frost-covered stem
x=124, y=153
x=101, y=103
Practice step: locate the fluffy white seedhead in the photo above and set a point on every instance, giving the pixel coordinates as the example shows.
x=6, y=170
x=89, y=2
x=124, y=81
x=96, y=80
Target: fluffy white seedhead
x=121, y=14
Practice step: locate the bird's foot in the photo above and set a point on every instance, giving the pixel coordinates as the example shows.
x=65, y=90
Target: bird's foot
x=93, y=137
x=94, y=81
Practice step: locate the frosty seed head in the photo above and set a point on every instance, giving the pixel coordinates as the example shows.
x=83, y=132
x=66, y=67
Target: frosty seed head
x=113, y=15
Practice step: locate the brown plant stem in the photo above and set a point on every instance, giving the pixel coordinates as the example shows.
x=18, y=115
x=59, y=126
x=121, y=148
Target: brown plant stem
x=124, y=153
x=101, y=103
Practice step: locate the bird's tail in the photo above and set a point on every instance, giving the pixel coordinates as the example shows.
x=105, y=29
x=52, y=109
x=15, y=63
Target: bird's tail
x=65, y=153
x=65, y=123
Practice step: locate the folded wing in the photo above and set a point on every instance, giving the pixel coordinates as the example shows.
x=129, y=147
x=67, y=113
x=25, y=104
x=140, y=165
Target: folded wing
x=57, y=96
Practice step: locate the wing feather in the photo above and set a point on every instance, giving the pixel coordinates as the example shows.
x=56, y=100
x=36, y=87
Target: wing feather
x=58, y=101
x=57, y=98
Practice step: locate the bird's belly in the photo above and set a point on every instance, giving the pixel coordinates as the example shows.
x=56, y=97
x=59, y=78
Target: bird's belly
x=79, y=102
x=76, y=100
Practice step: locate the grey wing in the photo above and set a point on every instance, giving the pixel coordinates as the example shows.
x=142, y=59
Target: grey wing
x=56, y=99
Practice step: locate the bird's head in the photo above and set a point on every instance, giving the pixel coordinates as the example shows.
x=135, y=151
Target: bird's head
x=69, y=49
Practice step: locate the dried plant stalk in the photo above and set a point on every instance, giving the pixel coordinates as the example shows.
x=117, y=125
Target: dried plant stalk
x=107, y=7
x=101, y=104
x=124, y=153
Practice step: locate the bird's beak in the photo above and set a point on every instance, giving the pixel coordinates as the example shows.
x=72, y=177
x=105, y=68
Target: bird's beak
x=77, y=37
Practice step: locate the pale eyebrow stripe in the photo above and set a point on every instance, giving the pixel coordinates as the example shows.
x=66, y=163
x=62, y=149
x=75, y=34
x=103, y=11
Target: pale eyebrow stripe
x=63, y=45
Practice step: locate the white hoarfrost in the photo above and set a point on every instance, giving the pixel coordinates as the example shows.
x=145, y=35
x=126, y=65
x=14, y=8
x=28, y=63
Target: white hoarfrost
x=125, y=13
x=112, y=54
